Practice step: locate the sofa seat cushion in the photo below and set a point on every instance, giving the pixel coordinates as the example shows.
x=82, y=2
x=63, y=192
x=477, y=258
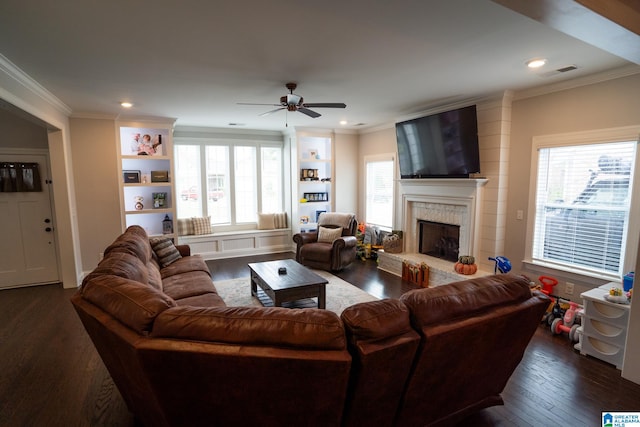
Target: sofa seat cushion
x=121, y=264
x=185, y=265
x=207, y=299
x=187, y=284
x=320, y=252
x=132, y=303
x=275, y=326
x=464, y=299
x=376, y=319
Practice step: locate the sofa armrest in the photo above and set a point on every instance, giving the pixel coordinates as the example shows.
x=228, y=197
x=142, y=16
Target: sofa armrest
x=304, y=238
x=345, y=242
x=185, y=250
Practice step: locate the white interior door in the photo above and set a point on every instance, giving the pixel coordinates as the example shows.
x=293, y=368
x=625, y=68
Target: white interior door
x=27, y=247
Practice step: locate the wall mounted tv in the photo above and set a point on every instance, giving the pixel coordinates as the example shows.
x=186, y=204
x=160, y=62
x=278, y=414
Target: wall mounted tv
x=443, y=145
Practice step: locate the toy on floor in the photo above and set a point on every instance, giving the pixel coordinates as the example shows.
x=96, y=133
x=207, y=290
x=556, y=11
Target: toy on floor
x=503, y=265
x=569, y=322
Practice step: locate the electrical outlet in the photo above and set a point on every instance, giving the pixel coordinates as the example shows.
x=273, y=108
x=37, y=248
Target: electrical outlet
x=519, y=214
x=568, y=289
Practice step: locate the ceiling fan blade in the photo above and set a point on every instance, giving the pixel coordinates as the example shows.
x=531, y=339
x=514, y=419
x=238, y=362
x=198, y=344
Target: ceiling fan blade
x=272, y=111
x=308, y=112
x=252, y=103
x=326, y=105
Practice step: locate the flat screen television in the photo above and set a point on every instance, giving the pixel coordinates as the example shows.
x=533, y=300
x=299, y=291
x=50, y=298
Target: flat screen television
x=443, y=145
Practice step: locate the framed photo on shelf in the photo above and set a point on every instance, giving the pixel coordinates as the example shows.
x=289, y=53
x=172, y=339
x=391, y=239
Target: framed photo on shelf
x=313, y=153
x=142, y=142
x=159, y=200
x=131, y=177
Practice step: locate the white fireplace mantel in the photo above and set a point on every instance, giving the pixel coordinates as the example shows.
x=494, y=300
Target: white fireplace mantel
x=452, y=201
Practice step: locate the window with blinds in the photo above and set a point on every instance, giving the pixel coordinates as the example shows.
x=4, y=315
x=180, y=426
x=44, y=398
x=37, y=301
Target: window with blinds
x=582, y=205
x=379, y=191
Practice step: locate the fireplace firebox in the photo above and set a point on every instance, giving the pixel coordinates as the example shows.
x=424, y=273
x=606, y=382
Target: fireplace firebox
x=439, y=240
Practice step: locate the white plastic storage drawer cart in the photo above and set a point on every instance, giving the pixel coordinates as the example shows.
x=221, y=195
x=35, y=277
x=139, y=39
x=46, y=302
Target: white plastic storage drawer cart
x=604, y=326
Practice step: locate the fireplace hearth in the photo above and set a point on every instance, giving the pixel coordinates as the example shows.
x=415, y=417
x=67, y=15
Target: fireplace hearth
x=439, y=240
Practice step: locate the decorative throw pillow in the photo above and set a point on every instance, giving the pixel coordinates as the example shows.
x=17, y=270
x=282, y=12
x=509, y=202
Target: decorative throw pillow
x=328, y=235
x=266, y=221
x=165, y=250
x=201, y=225
x=185, y=227
x=280, y=220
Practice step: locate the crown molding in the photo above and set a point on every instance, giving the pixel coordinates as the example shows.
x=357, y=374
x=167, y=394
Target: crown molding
x=10, y=69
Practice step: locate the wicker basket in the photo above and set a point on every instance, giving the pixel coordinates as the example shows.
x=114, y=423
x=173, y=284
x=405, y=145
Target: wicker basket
x=392, y=244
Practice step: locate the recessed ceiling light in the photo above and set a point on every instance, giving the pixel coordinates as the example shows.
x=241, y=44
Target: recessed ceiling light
x=536, y=63
x=126, y=104
x=343, y=122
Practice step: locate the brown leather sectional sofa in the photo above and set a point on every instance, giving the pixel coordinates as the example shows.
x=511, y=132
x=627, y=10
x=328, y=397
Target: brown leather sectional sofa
x=180, y=357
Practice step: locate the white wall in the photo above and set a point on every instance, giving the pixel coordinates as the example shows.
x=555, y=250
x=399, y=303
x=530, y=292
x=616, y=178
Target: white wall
x=93, y=144
x=346, y=173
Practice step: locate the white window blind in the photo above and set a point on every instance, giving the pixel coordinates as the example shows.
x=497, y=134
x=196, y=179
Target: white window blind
x=379, y=192
x=582, y=205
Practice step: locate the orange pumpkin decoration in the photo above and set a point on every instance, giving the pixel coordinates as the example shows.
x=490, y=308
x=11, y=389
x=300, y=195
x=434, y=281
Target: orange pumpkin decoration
x=466, y=265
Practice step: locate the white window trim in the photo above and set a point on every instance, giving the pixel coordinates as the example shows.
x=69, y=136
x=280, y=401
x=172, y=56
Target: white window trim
x=258, y=141
x=620, y=134
x=381, y=158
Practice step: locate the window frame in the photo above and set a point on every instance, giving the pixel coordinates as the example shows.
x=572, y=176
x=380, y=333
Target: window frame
x=599, y=136
x=258, y=144
x=381, y=158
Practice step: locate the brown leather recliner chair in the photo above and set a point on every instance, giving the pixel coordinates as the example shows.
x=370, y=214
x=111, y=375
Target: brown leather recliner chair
x=319, y=249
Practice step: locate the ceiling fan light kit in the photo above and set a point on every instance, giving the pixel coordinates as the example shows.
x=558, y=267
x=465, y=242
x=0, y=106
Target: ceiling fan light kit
x=293, y=102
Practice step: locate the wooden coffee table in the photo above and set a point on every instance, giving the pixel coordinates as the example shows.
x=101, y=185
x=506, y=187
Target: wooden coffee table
x=298, y=283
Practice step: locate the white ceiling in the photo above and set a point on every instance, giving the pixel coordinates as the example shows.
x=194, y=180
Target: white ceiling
x=195, y=60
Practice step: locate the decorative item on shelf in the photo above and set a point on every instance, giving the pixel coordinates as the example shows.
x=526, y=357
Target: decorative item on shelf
x=309, y=175
x=159, y=176
x=159, y=200
x=167, y=225
x=137, y=200
x=314, y=154
x=304, y=219
x=131, y=177
x=318, y=214
x=466, y=265
x=316, y=197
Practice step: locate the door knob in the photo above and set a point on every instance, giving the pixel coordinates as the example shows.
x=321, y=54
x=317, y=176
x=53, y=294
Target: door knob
x=47, y=220
x=48, y=229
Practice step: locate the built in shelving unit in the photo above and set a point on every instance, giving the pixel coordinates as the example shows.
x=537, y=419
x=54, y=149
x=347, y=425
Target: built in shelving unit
x=315, y=180
x=147, y=191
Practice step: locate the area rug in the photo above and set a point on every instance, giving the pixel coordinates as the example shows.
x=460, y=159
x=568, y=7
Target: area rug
x=339, y=294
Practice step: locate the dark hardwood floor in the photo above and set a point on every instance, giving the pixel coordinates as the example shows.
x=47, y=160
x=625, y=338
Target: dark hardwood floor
x=51, y=375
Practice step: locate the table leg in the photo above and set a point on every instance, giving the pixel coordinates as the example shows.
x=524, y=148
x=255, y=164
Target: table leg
x=322, y=293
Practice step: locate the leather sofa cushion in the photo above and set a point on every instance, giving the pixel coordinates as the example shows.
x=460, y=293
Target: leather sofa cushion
x=134, y=241
x=132, y=303
x=275, y=326
x=187, y=284
x=185, y=265
x=464, y=299
x=377, y=319
x=207, y=299
x=121, y=264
